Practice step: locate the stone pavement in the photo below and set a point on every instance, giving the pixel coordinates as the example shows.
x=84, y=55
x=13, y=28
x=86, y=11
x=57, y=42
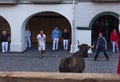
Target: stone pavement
x=29, y=61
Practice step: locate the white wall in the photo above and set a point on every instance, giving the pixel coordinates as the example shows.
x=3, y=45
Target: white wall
x=86, y=11
x=83, y=36
x=17, y=16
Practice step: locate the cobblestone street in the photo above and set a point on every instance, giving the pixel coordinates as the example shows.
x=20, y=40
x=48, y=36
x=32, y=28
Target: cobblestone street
x=29, y=61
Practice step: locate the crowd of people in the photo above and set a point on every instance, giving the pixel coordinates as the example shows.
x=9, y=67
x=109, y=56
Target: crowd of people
x=56, y=34
x=41, y=40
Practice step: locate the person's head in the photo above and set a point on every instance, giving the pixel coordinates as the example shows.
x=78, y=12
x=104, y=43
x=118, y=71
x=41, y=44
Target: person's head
x=4, y=32
x=41, y=31
x=56, y=28
x=65, y=30
x=100, y=35
x=114, y=30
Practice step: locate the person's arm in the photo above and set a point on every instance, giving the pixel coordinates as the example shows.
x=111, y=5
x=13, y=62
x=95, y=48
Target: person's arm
x=45, y=39
x=8, y=34
x=1, y=39
x=118, y=36
x=60, y=33
x=105, y=43
x=38, y=40
x=97, y=43
x=30, y=32
x=52, y=33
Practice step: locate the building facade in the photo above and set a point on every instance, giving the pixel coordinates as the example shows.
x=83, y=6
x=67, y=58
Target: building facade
x=83, y=19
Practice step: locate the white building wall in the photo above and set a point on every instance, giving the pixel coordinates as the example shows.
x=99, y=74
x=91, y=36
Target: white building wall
x=83, y=36
x=18, y=15
x=86, y=11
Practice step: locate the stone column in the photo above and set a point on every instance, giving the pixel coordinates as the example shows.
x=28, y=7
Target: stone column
x=73, y=46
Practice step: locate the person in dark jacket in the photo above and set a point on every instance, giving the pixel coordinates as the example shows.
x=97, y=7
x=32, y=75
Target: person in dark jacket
x=65, y=36
x=101, y=46
x=4, y=41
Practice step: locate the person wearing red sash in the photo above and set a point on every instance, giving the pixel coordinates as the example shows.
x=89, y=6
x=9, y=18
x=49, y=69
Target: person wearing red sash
x=41, y=40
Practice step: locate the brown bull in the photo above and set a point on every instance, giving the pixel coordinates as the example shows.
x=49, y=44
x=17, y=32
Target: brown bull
x=75, y=63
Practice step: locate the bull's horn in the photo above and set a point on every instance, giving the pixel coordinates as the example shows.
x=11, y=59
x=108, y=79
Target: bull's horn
x=93, y=45
x=78, y=43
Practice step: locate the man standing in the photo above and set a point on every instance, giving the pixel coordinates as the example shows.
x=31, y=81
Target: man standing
x=41, y=40
x=101, y=46
x=114, y=37
x=4, y=41
x=27, y=38
x=65, y=36
x=55, y=36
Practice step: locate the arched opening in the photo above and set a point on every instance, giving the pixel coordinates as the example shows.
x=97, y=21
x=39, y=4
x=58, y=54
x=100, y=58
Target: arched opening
x=47, y=21
x=4, y=25
x=104, y=23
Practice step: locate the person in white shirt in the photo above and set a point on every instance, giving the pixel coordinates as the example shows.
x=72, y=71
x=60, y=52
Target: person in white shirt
x=27, y=37
x=41, y=40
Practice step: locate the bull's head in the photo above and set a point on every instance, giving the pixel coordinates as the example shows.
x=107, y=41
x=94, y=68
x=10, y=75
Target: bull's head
x=87, y=47
x=84, y=48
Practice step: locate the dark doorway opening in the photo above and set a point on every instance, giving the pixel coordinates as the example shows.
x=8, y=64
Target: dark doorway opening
x=104, y=24
x=4, y=25
x=47, y=21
